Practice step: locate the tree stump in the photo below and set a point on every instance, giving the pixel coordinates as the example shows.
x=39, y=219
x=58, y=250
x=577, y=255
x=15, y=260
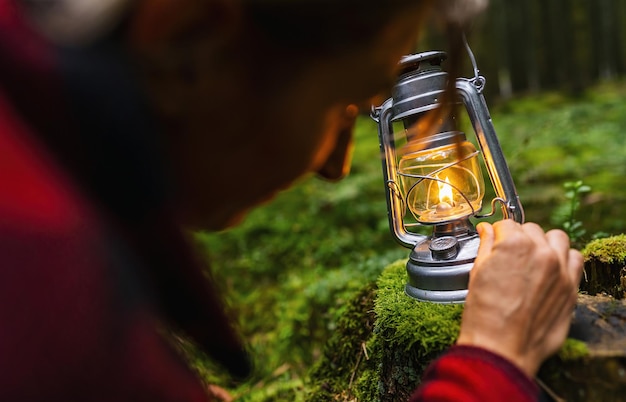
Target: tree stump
x=605, y=267
x=596, y=369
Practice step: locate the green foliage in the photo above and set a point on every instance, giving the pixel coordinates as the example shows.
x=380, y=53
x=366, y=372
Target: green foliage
x=550, y=139
x=278, y=389
x=565, y=214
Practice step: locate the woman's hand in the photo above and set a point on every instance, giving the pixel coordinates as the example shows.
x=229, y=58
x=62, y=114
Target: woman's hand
x=522, y=292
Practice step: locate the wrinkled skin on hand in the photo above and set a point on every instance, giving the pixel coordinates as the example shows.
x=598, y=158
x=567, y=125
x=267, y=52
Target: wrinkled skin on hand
x=522, y=292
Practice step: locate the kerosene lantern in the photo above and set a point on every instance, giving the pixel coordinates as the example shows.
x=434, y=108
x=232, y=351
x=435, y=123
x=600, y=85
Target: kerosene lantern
x=433, y=177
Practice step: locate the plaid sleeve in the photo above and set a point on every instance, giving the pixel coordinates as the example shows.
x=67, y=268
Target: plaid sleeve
x=467, y=374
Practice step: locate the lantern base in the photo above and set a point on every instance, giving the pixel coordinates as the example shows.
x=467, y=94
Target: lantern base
x=441, y=277
x=442, y=297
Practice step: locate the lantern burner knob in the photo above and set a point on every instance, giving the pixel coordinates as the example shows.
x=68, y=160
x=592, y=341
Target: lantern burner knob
x=444, y=248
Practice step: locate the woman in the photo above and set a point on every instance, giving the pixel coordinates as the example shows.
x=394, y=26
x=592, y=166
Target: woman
x=124, y=121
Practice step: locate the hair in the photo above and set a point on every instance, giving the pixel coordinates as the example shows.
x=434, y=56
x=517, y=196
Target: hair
x=331, y=24
x=300, y=30
x=325, y=26
x=307, y=24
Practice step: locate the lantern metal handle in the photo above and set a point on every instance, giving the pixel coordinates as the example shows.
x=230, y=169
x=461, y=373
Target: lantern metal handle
x=395, y=210
x=490, y=146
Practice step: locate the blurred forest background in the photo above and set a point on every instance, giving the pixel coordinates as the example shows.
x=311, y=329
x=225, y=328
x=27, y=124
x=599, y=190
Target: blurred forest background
x=532, y=46
x=555, y=85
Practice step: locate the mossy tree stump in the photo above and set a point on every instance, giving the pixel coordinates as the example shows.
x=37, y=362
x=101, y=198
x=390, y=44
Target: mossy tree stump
x=597, y=373
x=386, y=340
x=605, y=267
x=592, y=366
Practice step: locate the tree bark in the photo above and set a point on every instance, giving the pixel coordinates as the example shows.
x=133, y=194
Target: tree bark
x=599, y=374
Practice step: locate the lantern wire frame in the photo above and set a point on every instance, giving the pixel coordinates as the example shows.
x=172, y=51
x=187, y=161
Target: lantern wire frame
x=432, y=177
x=395, y=188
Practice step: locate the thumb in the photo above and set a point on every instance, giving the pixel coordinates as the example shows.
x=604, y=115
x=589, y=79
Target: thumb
x=486, y=233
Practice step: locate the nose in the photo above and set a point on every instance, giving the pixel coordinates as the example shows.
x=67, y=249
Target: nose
x=338, y=163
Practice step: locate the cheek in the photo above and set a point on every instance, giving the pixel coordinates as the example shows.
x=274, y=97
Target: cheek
x=327, y=140
x=304, y=141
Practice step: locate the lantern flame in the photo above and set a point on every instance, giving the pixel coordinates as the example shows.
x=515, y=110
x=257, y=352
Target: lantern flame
x=445, y=192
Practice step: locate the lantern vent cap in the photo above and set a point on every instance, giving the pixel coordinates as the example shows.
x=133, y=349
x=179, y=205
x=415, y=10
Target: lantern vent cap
x=421, y=62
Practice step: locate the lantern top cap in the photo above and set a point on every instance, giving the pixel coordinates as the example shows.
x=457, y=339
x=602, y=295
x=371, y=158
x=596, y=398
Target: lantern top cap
x=421, y=61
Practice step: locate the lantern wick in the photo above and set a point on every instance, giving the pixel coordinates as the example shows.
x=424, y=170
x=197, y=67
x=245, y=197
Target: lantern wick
x=443, y=207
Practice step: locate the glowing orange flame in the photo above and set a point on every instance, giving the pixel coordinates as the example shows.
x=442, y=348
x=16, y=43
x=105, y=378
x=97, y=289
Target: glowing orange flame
x=445, y=192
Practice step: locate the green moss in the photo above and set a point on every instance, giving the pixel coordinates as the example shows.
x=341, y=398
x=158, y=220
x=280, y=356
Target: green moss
x=383, y=360
x=408, y=323
x=609, y=250
x=408, y=335
x=368, y=386
x=275, y=391
x=573, y=349
x=345, y=354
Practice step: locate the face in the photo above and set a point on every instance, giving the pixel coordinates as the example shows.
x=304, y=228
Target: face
x=248, y=129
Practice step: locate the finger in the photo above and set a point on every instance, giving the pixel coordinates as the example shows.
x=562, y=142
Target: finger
x=535, y=232
x=504, y=229
x=575, y=263
x=559, y=241
x=487, y=238
x=571, y=259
